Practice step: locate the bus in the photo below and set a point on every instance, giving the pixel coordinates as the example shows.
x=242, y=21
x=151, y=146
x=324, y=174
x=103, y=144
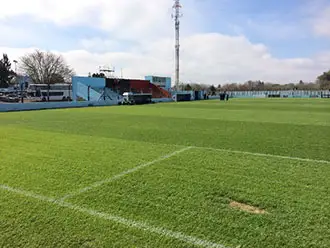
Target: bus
x=57, y=92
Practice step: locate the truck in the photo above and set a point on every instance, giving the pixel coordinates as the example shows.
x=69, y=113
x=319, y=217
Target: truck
x=130, y=98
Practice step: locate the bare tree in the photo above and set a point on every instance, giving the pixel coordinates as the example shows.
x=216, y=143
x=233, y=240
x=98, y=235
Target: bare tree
x=46, y=68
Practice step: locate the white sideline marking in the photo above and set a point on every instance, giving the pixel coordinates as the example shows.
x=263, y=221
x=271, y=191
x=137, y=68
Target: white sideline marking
x=263, y=155
x=108, y=180
x=130, y=223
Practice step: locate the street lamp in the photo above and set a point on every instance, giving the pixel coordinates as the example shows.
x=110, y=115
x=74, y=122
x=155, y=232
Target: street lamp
x=16, y=83
x=20, y=84
x=15, y=62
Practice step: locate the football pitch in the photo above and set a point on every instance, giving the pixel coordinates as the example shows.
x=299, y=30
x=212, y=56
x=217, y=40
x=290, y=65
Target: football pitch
x=244, y=173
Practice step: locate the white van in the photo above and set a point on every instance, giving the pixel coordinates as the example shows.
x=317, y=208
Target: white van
x=128, y=98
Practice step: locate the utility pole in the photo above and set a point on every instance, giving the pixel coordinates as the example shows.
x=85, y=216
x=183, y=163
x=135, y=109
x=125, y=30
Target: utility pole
x=176, y=15
x=16, y=78
x=15, y=62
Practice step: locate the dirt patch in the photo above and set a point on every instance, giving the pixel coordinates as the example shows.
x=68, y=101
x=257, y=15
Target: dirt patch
x=247, y=208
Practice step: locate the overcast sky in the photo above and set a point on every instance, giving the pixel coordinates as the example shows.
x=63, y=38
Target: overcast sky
x=222, y=40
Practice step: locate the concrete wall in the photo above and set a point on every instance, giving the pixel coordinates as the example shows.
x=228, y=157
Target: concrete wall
x=92, y=81
x=88, y=81
x=283, y=93
x=48, y=105
x=149, y=78
x=168, y=81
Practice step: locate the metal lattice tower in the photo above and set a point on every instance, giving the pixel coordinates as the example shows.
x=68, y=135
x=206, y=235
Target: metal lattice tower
x=176, y=16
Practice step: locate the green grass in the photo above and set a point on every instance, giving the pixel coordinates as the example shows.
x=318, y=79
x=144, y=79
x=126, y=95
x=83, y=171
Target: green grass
x=56, y=152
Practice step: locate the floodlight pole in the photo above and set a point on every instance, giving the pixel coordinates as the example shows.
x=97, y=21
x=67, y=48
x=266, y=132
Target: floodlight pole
x=176, y=16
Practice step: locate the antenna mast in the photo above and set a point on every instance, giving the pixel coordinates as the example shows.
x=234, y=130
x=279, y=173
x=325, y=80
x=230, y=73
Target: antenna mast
x=176, y=16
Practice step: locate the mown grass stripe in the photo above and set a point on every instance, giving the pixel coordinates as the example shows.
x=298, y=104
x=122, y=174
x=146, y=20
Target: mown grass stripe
x=127, y=222
x=108, y=180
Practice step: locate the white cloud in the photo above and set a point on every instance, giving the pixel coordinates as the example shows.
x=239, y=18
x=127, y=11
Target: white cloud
x=127, y=18
x=317, y=15
x=321, y=22
x=13, y=34
x=207, y=57
x=99, y=45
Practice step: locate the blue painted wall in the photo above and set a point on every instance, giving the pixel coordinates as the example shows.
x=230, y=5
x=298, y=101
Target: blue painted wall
x=96, y=83
x=168, y=81
x=92, y=81
x=283, y=93
x=49, y=105
x=149, y=78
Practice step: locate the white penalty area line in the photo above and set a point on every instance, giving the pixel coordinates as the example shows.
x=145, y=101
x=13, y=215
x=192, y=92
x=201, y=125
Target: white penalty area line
x=117, y=219
x=99, y=183
x=124, y=173
x=262, y=154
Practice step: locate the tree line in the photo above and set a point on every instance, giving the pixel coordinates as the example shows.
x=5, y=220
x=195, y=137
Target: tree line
x=322, y=83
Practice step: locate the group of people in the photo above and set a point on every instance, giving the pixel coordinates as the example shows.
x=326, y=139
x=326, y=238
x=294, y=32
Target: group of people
x=224, y=96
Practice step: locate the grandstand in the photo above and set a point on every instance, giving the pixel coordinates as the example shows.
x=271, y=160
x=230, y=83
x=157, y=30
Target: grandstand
x=110, y=89
x=136, y=86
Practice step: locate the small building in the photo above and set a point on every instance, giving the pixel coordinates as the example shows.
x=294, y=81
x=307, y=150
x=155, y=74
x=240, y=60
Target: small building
x=162, y=82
